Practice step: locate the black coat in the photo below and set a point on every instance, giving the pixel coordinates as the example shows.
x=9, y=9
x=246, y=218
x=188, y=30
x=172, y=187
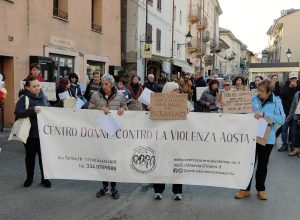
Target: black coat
x=76, y=91
x=287, y=94
x=154, y=87
x=21, y=112
x=200, y=82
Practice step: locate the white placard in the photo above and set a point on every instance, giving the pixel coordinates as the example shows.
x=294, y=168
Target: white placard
x=109, y=124
x=199, y=91
x=262, y=127
x=145, y=97
x=219, y=151
x=64, y=95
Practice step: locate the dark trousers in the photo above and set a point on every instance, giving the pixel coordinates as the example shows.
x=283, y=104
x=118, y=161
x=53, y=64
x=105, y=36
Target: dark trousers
x=262, y=156
x=32, y=147
x=112, y=184
x=176, y=188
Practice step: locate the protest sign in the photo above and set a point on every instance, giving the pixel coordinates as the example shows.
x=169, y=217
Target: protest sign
x=266, y=130
x=199, y=91
x=219, y=151
x=237, y=102
x=168, y=106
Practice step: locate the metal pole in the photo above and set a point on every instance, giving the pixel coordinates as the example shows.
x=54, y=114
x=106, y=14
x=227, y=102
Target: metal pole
x=146, y=40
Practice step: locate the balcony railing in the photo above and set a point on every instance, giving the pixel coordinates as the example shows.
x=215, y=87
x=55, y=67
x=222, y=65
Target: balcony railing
x=197, y=47
x=194, y=13
x=60, y=13
x=208, y=60
x=202, y=24
x=97, y=27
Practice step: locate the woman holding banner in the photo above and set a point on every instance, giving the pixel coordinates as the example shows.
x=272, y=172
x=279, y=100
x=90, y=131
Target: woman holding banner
x=29, y=106
x=264, y=105
x=169, y=87
x=106, y=99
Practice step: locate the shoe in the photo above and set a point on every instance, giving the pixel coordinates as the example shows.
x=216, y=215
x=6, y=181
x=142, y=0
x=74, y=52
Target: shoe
x=283, y=148
x=241, y=194
x=28, y=182
x=46, y=183
x=294, y=152
x=178, y=197
x=262, y=195
x=103, y=191
x=114, y=193
x=158, y=196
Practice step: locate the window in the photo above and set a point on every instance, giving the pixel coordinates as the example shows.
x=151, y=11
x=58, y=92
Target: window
x=63, y=66
x=180, y=18
x=158, y=39
x=159, y=5
x=97, y=15
x=60, y=9
x=94, y=66
x=174, y=12
x=149, y=33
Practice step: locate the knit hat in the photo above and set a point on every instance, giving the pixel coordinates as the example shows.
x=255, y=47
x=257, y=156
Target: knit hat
x=227, y=81
x=109, y=78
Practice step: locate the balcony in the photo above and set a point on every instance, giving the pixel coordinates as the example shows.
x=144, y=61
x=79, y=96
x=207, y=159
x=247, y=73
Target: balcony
x=208, y=60
x=202, y=24
x=97, y=28
x=206, y=36
x=60, y=13
x=194, y=14
x=197, y=48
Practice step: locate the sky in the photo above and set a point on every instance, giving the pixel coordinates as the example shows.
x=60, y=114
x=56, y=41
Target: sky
x=249, y=20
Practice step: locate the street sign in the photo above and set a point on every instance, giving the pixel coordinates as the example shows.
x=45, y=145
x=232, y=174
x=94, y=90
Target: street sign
x=146, y=51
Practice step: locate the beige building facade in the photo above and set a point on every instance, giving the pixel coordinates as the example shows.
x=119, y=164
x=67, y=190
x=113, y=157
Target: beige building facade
x=64, y=36
x=283, y=35
x=203, y=21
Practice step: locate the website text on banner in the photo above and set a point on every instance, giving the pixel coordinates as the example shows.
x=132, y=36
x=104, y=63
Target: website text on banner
x=206, y=149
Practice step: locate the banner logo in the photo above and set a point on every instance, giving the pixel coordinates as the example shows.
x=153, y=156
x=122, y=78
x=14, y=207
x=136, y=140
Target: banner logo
x=143, y=160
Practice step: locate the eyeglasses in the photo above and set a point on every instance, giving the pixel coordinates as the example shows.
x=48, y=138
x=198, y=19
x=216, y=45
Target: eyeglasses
x=227, y=85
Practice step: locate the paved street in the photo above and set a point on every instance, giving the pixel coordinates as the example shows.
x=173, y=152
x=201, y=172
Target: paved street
x=77, y=200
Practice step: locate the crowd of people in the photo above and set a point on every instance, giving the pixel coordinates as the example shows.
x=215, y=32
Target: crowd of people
x=270, y=99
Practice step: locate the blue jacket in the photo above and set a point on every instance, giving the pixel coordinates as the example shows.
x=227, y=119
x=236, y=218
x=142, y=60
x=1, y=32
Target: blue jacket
x=272, y=108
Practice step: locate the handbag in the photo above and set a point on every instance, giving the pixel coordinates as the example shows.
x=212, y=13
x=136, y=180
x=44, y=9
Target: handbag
x=21, y=127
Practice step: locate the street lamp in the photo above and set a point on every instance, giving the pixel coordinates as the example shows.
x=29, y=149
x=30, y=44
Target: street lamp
x=188, y=37
x=188, y=40
x=289, y=54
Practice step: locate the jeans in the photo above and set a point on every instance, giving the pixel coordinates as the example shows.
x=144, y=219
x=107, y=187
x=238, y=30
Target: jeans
x=295, y=134
x=284, y=133
x=112, y=184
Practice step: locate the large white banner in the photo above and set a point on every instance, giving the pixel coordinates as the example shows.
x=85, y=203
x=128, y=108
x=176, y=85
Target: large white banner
x=207, y=149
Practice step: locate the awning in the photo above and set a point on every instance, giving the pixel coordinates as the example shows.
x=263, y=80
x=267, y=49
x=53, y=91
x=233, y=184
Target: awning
x=184, y=65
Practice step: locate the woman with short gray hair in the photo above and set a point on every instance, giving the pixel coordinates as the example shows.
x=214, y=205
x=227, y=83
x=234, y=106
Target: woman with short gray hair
x=106, y=99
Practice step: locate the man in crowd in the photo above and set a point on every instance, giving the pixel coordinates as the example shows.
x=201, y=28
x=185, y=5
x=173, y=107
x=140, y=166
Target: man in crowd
x=35, y=73
x=287, y=94
x=198, y=82
x=274, y=79
x=151, y=84
x=93, y=86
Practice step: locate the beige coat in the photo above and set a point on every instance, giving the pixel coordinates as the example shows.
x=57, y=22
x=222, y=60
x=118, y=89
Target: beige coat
x=98, y=101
